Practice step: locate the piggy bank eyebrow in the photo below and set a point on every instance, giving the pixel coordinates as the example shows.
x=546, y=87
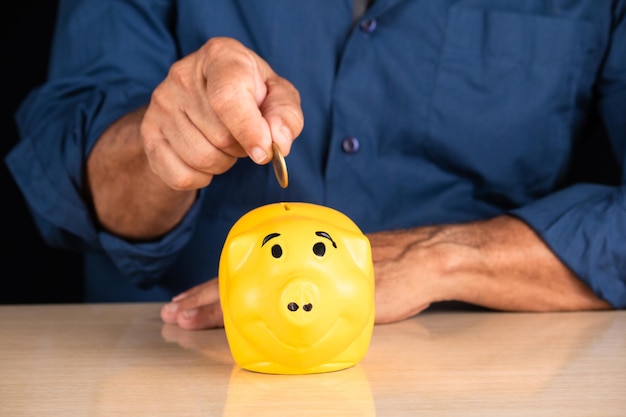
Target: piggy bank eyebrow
x=327, y=236
x=269, y=237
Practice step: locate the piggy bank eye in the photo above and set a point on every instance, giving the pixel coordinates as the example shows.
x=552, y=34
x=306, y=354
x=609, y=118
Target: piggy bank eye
x=277, y=251
x=319, y=249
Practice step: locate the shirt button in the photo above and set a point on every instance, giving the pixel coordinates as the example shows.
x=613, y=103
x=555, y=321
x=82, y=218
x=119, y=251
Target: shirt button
x=368, y=25
x=350, y=145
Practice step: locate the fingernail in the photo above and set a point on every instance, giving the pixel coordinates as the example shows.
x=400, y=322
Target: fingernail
x=191, y=313
x=171, y=308
x=258, y=155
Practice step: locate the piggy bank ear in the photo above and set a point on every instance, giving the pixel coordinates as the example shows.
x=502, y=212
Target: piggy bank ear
x=359, y=249
x=235, y=253
x=237, y=250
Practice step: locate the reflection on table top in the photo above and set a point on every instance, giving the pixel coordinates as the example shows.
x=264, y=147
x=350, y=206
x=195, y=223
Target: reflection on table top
x=119, y=359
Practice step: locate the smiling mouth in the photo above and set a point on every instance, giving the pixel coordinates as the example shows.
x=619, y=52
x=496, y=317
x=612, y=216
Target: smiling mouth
x=305, y=344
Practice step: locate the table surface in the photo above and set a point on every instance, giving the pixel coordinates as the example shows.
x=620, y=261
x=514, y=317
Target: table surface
x=120, y=360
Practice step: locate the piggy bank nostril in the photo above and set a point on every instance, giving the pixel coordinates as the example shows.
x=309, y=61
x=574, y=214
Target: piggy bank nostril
x=307, y=307
x=292, y=306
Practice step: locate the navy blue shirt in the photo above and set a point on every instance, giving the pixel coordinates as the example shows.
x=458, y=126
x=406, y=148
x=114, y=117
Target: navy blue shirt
x=423, y=112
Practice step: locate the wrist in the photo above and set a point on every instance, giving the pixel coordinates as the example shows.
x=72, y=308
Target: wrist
x=476, y=258
x=452, y=255
x=127, y=197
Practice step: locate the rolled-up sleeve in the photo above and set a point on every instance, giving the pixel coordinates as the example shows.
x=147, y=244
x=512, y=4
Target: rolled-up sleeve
x=98, y=73
x=585, y=225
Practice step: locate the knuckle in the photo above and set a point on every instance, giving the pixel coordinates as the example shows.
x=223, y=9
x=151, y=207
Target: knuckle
x=148, y=134
x=159, y=101
x=150, y=145
x=181, y=182
x=216, y=47
x=224, y=96
x=213, y=163
x=180, y=74
x=223, y=140
x=219, y=47
x=202, y=162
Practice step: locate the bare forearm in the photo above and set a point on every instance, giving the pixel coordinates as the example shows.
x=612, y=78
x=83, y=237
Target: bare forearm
x=499, y=263
x=128, y=198
x=502, y=264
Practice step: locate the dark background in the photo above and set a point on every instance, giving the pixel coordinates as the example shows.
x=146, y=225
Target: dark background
x=32, y=272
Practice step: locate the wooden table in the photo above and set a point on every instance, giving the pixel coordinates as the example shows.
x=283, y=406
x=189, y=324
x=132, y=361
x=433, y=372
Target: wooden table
x=120, y=360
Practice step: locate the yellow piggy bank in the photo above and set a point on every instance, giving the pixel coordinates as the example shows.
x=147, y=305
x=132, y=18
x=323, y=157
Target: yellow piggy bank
x=296, y=284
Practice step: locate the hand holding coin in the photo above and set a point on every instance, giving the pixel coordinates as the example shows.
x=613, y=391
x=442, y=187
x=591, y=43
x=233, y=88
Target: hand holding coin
x=280, y=167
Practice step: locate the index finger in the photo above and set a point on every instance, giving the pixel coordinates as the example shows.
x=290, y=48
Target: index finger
x=236, y=88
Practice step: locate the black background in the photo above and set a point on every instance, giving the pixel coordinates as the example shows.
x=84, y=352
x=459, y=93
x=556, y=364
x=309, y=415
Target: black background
x=31, y=271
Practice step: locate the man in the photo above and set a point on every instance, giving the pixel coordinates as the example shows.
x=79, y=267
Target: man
x=444, y=129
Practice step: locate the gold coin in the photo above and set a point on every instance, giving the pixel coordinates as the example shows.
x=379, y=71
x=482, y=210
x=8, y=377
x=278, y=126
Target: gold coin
x=280, y=167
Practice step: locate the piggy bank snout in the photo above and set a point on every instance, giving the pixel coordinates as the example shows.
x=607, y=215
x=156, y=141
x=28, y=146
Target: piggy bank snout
x=299, y=301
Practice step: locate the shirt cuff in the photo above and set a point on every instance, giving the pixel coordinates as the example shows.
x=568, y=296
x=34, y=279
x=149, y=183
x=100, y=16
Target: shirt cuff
x=145, y=262
x=585, y=226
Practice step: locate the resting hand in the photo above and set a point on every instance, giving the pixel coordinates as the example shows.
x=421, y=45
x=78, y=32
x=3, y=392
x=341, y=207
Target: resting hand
x=218, y=104
x=196, y=308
